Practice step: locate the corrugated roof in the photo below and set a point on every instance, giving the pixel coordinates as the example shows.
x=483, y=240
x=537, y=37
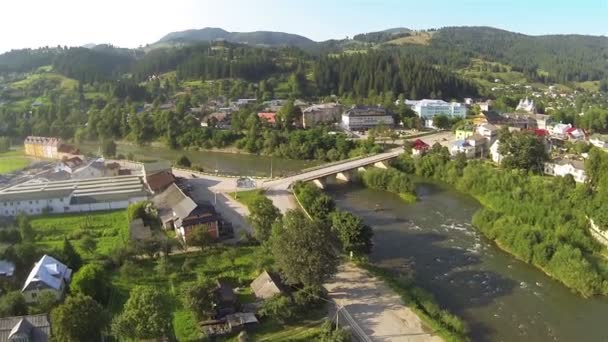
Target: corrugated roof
x=267, y=285
x=36, y=327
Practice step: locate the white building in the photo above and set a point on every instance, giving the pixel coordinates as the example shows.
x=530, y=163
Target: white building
x=36, y=197
x=488, y=131
x=364, y=117
x=599, y=140
x=496, y=156
x=428, y=109
x=462, y=146
x=325, y=112
x=48, y=274
x=563, y=167
x=526, y=106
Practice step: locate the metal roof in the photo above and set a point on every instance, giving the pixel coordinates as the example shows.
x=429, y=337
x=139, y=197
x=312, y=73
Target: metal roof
x=50, y=272
x=36, y=327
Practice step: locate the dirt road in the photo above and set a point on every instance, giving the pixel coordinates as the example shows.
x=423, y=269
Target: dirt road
x=376, y=308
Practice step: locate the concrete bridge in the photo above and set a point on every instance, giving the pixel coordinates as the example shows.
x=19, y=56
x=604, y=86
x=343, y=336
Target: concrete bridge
x=342, y=171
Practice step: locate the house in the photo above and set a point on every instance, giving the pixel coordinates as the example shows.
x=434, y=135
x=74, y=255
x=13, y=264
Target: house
x=245, y=102
x=67, y=151
x=268, y=117
x=42, y=147
x=47, y=274
x=69, y=196
x=526, y=106
x=325, y=112
x=478, y=142
x=178, y=211
x=560, y=131
x=484, y=106
x=419, y=147
x=496, y=156
x=227, y=300
x=599, y=140
x=488, y=131
x=241, y=320
x=215, y=119
x=70, y=165
x=543, y=121
x=32, y=328
x=462, y=146
x=267, y=284
x=365, y=117
x=427, y=109
x=575, y=134
x=7, y=269
x=158, y=182
x=563, y=167
x=464, y=132
x=93, y=169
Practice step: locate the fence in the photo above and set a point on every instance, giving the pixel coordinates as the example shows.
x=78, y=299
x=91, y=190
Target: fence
x=342, y=316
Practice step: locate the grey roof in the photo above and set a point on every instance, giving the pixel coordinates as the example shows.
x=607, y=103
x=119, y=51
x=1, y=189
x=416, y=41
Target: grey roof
x=49, y=273
x=181, y=204
x=367, y=111
x=577, y=164
x=267, y=285
x=36, y=328
x=84, y=190
x=7, y=268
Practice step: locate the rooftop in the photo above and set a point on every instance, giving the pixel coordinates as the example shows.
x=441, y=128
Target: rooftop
x=33, y=328
x=50, y=272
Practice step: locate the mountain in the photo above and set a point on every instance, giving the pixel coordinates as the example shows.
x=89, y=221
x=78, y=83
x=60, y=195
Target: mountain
x=264, y=38
x=383, y=36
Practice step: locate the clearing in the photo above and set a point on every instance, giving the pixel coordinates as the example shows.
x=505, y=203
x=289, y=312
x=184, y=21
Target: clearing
x=13, y=161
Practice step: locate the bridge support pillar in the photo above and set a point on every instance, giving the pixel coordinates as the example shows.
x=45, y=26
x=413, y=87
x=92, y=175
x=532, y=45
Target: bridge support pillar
x=319, y=183
x=361, y=169
x=344, y=176
x=381, y=165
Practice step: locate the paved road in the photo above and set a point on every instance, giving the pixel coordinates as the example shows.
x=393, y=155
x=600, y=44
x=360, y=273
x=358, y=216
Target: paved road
x=376, y=309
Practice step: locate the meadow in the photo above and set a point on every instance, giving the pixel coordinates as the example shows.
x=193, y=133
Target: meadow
x=12, y=161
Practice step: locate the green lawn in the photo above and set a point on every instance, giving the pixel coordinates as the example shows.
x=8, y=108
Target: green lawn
x=13, y=161
x=246, y=197
x=108, y=228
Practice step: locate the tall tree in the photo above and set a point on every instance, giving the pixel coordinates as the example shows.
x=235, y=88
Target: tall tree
x=146, y=315
x=303, y=250
x=70, y=256
x=262, y=215
x=79, y=318
x=91, y=280
x=354, y=236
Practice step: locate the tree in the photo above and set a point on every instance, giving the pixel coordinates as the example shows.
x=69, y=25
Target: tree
x=88, y=243
x=354, y=236
x=441, y=121
x=183, y=161
x=201, y=298
x=25, y=228
x=303, y=250
x=69, y=255
x=108, y=148
x=199, y=237
x=46, y=300
x=329, y=333
x=13, y=304
x=522, y=150
x=79, y=318
x=262, y=215
x=5, y=144
x=91, y=280
x=146, y=315
x=280, y=307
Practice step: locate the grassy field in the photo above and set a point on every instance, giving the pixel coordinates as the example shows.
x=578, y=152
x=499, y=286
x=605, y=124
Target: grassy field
x=420, y=38
x=12, y=161
x=246, y=197
x=109, y=229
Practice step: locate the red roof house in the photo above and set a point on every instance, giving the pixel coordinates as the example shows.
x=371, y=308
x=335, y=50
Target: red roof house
x=271, y=118
x=419, y=147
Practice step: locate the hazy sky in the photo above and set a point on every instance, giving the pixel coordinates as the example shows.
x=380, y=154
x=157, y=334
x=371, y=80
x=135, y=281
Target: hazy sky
x=130, y=23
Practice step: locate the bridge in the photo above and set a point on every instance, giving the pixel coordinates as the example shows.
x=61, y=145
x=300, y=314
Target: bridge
x=342, y=171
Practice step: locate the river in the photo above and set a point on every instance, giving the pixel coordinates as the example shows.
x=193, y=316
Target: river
x=501, y=298
x=226, y=163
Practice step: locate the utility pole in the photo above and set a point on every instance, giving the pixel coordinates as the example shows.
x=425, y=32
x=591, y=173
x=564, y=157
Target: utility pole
x=270, y=167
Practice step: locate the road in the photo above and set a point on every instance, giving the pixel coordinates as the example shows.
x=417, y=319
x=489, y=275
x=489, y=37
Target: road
x=376, y=309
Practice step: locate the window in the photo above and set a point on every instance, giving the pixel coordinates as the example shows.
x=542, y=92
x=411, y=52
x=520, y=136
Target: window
x=34, y=295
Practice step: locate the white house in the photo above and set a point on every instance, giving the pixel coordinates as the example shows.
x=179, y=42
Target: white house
x=561, y=129
x=366, y=117
x=427, y=109
x=599, y=140
x=47, y=274
x=462, y=146
x=496, y=156
x=562, y=167
x=488, y=131
x=37, y=196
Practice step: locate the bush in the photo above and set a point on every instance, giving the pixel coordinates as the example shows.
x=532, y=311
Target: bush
x=278, y=307
x=183, y=161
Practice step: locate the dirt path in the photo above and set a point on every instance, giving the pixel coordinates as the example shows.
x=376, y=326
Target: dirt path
x=376, y=308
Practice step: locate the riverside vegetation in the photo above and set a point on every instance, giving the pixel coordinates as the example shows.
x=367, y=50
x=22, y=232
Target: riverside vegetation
x=540, y=220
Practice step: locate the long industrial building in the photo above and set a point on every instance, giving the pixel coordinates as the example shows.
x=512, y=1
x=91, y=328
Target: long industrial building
x=36, y=197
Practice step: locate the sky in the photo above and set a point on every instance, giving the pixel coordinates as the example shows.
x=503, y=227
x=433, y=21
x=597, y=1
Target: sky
x=132, y=23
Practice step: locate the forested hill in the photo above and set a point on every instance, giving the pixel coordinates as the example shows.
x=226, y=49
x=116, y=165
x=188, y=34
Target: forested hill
x=551, y=58
x=265, y=38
